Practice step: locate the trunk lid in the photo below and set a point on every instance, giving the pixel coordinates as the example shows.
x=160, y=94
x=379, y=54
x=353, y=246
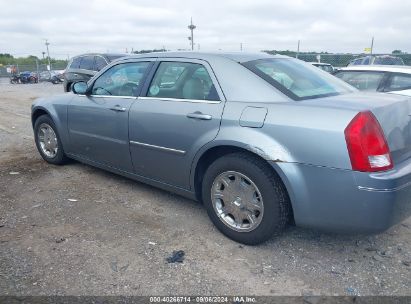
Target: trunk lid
x=393, y=112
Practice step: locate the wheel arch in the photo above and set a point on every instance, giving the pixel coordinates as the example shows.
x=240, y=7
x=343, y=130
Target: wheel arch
x=67, y=86
x=210, y=154
x=37, y=113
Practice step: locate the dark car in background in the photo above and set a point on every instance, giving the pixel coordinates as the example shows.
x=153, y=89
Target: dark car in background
x=24, y=77
x=378, y=59
x=83, y=67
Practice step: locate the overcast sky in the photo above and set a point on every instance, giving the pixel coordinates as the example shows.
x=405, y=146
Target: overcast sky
x=79, y=26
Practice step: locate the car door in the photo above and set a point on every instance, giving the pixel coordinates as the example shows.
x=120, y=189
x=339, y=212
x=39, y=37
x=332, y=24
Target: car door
x=98, y=122
x=179, y=112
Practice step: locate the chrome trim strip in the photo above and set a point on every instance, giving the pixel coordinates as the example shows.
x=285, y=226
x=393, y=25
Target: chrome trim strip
x=385, y=190
x=180, y=100
x=105, y=138
x=181, y=152
x=113, y=96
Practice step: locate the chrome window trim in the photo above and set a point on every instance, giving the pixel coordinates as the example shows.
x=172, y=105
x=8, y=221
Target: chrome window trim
x=107, y=96
x=181, y=152
x=113, y=96
x=179, y=100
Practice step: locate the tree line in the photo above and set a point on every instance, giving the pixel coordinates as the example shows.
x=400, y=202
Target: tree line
x=8, y=59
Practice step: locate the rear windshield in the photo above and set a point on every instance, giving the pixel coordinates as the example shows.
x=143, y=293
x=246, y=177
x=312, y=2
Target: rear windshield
x=297, y=79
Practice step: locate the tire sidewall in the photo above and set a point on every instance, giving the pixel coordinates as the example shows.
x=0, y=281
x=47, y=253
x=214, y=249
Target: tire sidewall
x=270, y=222
x=59, y=158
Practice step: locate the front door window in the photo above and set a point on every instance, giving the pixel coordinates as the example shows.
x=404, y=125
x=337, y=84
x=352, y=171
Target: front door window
x=121, y=80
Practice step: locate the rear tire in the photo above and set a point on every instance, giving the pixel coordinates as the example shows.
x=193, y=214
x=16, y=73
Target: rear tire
x=48, y=141
x=245, y=199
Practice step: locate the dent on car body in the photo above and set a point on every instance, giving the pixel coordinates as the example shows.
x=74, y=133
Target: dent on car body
x=270, y=152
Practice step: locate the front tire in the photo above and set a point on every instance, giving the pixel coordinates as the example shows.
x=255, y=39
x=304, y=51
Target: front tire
x=48, y=141
x=245, y=199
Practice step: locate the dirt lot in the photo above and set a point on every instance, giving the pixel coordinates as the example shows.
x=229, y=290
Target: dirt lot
x=77, y=230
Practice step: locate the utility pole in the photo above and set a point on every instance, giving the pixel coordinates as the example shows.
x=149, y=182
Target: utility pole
x=37, y=70
x=43, y=54
x=372, y=45
x=48, y=53
x=298, y=49
x=191, y=27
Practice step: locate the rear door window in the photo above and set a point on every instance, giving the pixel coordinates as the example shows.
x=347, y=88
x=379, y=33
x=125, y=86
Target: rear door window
x=87, y=63
x=100, y=63
x=76, y=63
x=182, y=80
x=366, y=60
x=357, y=61
x=399, y=82
x=364, y=81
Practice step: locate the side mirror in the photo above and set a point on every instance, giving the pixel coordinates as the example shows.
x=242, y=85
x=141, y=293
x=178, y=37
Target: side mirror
x=79, y=88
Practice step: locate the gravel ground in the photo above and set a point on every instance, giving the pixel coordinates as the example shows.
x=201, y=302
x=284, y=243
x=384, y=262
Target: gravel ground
x=77, y=230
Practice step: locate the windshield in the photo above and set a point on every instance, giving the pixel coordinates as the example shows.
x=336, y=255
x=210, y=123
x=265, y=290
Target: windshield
x=297, y=79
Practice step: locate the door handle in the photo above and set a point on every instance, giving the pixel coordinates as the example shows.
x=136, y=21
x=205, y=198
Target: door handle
x=117, y=108
x=199, y=115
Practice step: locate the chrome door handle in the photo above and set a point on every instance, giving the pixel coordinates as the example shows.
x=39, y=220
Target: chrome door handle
x=117, y=108
x=199, y=115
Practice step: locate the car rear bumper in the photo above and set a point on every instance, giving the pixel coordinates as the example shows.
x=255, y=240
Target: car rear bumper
x=345, y=201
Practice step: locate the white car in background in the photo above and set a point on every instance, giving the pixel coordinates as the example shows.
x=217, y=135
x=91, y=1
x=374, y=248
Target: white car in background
x=380, y=78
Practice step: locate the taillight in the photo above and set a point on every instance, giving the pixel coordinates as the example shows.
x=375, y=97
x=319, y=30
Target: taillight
x=366, y=143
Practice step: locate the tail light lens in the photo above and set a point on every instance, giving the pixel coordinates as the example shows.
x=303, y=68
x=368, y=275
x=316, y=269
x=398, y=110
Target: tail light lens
x=366, y=143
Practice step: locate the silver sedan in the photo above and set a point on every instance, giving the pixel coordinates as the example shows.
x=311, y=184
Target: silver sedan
x=260, y=140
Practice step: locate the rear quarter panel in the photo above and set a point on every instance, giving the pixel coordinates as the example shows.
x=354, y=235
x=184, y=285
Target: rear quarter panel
x=291, y=133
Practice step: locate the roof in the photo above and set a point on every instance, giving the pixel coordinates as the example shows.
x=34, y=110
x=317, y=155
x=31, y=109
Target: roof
x=103, y=54
x=377, y=56
x=380, y=68
x=235, y=56
x=319, y=63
